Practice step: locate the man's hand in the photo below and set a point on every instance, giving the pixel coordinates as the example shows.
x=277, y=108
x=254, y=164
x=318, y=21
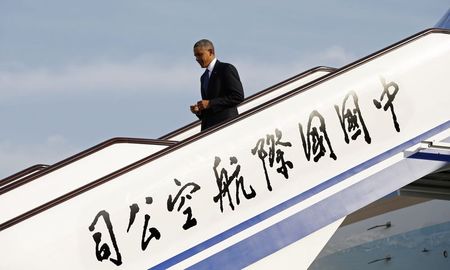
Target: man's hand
x=194, y=109
x=203, y=104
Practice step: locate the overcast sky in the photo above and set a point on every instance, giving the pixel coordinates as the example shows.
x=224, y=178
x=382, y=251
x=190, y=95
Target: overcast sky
x=76, y=73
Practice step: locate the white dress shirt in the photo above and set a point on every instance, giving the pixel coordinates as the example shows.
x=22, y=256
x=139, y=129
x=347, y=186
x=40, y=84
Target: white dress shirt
x=211, y=66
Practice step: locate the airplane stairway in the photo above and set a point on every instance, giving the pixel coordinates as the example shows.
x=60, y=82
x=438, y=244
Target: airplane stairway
x=109, y=156
x=267, y=188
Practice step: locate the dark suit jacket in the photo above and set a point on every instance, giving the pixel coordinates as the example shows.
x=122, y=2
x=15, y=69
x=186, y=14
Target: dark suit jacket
x=224, y=93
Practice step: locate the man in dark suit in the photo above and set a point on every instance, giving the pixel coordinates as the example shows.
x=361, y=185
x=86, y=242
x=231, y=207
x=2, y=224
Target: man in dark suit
x=221, y=87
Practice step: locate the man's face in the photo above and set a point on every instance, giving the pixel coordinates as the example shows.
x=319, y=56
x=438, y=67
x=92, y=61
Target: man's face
x=203, y=56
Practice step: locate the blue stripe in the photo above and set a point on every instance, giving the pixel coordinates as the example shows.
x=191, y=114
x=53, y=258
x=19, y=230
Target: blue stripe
x=431, y=156
x=297, y=199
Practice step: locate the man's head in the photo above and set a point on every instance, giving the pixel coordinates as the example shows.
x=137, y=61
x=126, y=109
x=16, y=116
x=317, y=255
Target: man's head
x=204, y=52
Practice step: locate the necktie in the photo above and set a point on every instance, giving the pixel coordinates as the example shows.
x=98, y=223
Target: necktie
x=204, y=81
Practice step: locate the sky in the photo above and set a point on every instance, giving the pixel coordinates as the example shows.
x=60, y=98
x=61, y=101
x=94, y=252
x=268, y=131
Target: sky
x=76, y=73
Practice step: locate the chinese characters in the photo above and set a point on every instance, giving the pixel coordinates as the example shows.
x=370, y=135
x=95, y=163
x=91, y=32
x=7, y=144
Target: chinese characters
x=190, y=221
x=275, y=153
x=390, y=90
x=316, y=141
x=351, y=119
x=224, y=182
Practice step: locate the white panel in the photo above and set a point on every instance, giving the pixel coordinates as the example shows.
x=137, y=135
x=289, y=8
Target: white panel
x=71, y=177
